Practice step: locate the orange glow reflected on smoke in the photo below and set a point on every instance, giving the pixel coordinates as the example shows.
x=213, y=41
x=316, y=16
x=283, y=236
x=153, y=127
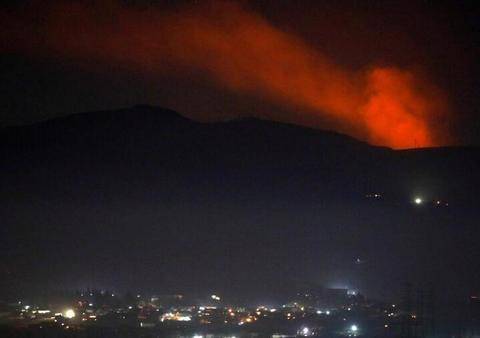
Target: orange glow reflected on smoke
x=395, y=114
x=241, y=51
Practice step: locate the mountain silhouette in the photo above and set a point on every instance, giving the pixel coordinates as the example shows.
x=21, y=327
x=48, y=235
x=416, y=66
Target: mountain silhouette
x=145, y=198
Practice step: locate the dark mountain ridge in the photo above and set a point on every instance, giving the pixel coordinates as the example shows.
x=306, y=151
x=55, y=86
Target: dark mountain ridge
x=241, y=205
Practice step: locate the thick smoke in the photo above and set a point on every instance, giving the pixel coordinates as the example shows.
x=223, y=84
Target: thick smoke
x=241, y=51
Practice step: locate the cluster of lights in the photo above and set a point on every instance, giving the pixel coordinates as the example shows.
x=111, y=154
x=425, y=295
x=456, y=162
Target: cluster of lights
x=215, y=297
x=320, y=312
x=175, y=317
x=305, y=331
x=438, y=203
x=417, y=200
x=238, y=315
x=248, y=319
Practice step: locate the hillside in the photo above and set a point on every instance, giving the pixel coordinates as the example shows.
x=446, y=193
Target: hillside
x=157, y=186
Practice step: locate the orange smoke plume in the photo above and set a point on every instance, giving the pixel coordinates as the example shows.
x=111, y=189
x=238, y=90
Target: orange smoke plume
x=240, y=50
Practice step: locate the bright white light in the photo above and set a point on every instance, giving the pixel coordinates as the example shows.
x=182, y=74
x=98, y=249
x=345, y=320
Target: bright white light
x=305, y=331
x=197, y=336
x=418, y=200
x=327, y=312
x=319, y=312
x=69, y=313
x=175, y=316
x=354, y=328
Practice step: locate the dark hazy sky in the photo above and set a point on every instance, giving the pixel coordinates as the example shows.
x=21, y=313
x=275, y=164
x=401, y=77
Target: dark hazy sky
x=142, y=197
x=308, y=62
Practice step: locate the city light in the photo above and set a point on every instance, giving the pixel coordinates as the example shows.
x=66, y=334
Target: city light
x=179, y=317
x=223, y=315
x=69, y=314
x=418, y=200
x=43, y=311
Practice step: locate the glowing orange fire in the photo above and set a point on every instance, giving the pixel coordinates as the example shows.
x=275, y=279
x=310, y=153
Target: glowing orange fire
x=242, y=52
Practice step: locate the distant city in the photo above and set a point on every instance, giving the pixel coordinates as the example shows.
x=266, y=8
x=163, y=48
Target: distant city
x=239, y=169
x=312, y=311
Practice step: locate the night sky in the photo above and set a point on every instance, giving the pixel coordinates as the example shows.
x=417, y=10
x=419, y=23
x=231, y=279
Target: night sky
x=130, y=196
x=401, y=74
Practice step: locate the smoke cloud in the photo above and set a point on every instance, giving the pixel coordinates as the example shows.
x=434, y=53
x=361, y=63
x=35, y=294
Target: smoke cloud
x=241, y=51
